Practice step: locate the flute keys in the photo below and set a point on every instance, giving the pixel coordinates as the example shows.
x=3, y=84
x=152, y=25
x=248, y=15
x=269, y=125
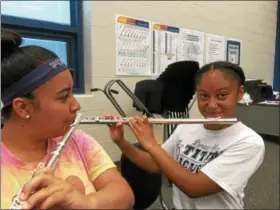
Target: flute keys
x=16, y=203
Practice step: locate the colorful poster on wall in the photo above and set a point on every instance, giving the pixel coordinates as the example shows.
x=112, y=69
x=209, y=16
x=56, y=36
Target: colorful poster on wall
x=233, y=51
x=165, y=45
x=133, y=46
x=191, y=45
x=215, y=48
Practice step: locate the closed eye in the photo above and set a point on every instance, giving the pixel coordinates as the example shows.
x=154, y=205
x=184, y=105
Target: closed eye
x=64, y=97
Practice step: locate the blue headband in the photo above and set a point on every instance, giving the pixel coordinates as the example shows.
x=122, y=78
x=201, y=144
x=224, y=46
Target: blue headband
x=33, y=80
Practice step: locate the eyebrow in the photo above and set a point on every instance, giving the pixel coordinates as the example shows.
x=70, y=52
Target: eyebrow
x=64, y=90
x=224, y=88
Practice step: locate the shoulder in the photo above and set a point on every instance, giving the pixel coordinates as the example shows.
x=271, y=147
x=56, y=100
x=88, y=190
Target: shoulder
x=247, y=143
x=249, y=136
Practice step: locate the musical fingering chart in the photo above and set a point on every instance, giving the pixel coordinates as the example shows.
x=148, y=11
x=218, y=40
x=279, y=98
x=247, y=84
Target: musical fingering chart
x=165, y=44
x=133, y=41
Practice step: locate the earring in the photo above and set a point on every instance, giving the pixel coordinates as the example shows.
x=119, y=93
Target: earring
x=27, y=116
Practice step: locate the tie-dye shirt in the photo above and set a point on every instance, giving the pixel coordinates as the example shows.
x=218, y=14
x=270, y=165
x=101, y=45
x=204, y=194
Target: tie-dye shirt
x=83, y=156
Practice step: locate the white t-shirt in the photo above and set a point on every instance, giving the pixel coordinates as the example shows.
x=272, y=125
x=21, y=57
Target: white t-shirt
x=229, y=157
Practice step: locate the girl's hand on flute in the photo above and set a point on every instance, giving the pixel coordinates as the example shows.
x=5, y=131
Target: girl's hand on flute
x=116, y=130
x=44, y=191
x=143, y=131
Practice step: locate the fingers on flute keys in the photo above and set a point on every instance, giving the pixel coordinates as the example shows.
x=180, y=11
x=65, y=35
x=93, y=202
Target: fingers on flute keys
x=45, y=191
x=41, y=178
x=138, y=121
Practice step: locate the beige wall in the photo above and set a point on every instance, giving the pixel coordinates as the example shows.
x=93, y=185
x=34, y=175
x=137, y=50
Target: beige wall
x=252, y=22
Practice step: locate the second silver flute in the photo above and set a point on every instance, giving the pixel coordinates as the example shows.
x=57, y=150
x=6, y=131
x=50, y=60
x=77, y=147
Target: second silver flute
x=51, y=162
x=100, y=120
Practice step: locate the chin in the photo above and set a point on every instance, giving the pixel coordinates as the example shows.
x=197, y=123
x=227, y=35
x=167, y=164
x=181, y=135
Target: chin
x=214, y=116
x=58, y=131
x=64, y=131
x=213, y=127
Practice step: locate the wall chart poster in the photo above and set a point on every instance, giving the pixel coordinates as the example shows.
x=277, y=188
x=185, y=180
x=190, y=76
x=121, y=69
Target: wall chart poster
x=215, y=48
x=192, y=46
x=133, y=46
x=233, y=50
x=165, y=47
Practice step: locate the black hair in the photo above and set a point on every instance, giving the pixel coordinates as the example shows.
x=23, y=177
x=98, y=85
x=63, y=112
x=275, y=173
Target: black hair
x=224, y=66
x=16, y=62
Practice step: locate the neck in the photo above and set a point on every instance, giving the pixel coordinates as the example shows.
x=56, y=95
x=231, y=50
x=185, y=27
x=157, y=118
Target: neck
x=216, y=127
x=21, y=140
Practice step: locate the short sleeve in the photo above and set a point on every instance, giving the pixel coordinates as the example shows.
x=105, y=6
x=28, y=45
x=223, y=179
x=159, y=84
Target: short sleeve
x=94, y=156
x=233, y=167
x=168, y=145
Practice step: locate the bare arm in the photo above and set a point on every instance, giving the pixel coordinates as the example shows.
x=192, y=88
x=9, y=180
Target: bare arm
x=113, y=192
x=141, y=158
x=193, y=185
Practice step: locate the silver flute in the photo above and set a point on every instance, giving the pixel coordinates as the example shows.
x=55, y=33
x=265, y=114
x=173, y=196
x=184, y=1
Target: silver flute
x=55, y=155
x=125, y=120
x=51, y=162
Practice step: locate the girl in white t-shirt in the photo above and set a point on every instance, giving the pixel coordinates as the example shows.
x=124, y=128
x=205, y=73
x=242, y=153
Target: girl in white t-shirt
x=209, y=165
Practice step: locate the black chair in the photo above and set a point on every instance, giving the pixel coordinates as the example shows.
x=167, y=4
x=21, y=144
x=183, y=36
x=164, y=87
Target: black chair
x=2, y=122
x=145, y=186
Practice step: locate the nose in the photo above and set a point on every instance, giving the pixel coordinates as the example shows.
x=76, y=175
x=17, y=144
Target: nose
x=212, y=104
x=75, y=105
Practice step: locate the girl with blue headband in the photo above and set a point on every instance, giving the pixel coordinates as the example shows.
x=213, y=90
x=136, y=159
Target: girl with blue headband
x=38, y=109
